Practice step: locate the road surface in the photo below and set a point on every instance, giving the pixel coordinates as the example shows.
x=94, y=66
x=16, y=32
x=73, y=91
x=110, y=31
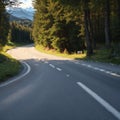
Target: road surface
x=55, y=88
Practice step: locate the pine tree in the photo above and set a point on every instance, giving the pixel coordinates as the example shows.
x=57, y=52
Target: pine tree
x=52, y=24
x=4, y=25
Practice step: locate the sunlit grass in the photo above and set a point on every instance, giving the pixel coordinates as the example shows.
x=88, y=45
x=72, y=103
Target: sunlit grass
x=100, y=55
x=11, y=45
x=8, y=66
x=56, y=53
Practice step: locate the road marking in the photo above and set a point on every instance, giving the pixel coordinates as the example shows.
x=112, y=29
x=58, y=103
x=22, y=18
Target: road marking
x=59, y=69
x=51, y=65
x=23, y=75
x=36, y=64
x=89, y=66
x=76, y=62
x=102, y=70
x=114, y=74
x=46, y=62
x=104, y=103
x=83, y=64
x=95, y=68
x=67, y=75
x=99, y=69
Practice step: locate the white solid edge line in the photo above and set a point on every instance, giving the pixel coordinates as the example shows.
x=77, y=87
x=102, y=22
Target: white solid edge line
x=104, y=103
x=11, y=81
x=99, y=69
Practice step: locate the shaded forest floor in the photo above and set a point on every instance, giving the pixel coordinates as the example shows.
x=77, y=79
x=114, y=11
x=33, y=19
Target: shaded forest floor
x=104, y=55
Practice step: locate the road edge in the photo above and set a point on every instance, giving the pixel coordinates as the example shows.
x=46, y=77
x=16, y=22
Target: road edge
x=27, y=71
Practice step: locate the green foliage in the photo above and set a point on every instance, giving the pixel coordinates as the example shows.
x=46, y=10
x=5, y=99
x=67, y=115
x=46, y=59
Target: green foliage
x=105, y=55
x=67, y=37
x=54, y=28
x=2, y=58
x=4, y=25
x=19, y=33
x=115, y=51
x=73, y=25
x=70, y=2
x=6, y=67
x=57, y=53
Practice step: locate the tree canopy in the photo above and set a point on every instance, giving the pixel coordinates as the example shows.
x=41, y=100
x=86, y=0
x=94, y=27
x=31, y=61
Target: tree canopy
x=76, y=24
x=4, y=24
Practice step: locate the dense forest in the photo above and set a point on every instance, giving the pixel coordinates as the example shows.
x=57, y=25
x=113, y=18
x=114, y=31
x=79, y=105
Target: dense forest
x=13, y=31
x=67, y=25
x=74, y=25
x=4, y=24
x=19, y=33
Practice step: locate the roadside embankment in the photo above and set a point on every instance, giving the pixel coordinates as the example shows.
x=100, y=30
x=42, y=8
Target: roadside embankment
x=8, y=66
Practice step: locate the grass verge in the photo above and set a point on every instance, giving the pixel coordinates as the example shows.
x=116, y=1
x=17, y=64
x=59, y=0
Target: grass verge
x=100, y=55
x=104, y=55
x=8, y=66
x=56, y=53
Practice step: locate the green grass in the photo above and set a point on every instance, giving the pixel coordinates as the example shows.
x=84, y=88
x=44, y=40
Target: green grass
x=8, y=66
x=101, y=55
x=104, y=55
x=11, y=45
x=56, y=53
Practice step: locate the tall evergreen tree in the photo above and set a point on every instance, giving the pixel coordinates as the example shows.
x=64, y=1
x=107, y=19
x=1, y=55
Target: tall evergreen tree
x=52, y=23
x=94, y=18
x=19, y=33
x=84, y=4
x=4, y=24
x=88, y=30
x=107, y=23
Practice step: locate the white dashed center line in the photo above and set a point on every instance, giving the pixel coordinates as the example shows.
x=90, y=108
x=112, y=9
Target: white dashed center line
x=59, y=69
x=46, y=62
x=51, y=65
x=99, y=69
x=67, y=75
x=36, y=64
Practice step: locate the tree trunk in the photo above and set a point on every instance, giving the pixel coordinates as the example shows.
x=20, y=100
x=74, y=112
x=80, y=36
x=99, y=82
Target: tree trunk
x=87, y=28
x=92, y=30
x=118, y=8
x=107, y=23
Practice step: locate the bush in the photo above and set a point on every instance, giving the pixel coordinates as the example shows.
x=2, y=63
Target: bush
x=115, y=51
x=2, y=58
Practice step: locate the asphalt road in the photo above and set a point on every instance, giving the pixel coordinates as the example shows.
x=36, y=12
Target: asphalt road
x=55, y=88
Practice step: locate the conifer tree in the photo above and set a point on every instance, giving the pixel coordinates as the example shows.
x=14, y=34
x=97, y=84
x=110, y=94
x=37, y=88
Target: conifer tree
x=52, y=23
x=4, y=24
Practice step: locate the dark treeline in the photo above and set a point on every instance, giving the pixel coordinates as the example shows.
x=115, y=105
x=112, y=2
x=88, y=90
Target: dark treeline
x=4, y=25
x=74, y=25
x=67, y=25
x=19, y=33
x=14, y=31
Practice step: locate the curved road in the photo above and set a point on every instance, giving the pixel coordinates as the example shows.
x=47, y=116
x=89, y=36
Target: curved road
x=55, y=88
